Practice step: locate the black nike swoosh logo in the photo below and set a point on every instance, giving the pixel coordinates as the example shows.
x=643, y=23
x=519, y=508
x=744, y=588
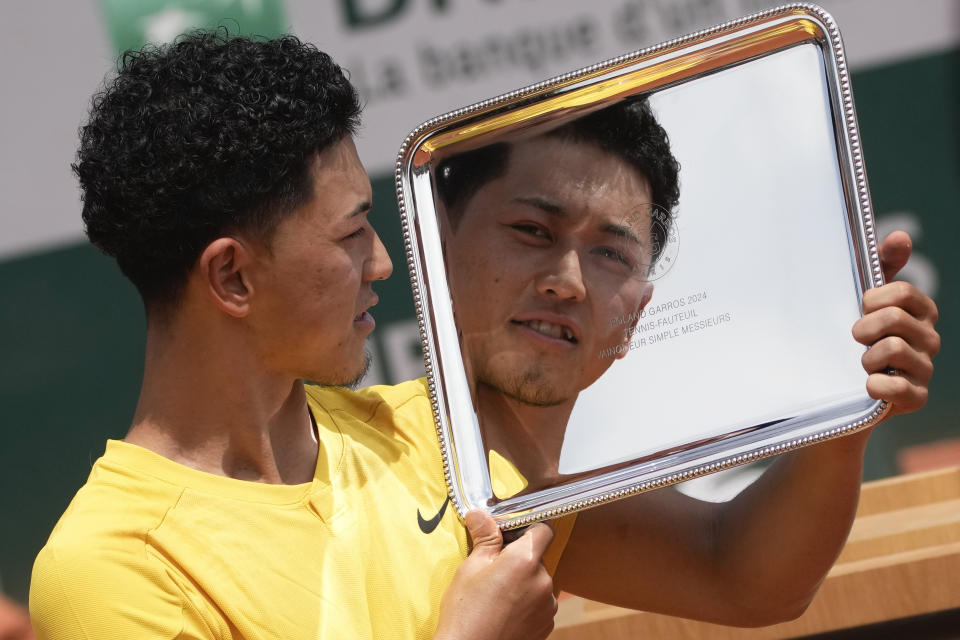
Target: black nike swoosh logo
x=427, y=526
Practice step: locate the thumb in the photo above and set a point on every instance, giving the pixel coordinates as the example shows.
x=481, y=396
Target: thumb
x=484, y=533
x=894, y=253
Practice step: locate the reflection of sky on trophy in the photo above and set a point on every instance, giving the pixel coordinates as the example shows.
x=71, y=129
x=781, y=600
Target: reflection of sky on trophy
x=761, y=229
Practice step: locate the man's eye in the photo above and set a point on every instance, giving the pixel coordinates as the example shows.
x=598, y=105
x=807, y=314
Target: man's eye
x=355, y=234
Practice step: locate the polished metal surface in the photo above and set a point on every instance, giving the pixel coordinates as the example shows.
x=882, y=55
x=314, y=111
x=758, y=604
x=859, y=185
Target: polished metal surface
x=584, y=341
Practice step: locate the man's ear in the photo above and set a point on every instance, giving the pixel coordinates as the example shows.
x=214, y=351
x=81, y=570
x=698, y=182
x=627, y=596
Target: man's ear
x=629, y=332
x=223, y=270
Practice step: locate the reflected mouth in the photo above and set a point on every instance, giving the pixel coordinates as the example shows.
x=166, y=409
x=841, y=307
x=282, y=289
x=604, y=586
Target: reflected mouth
x=549, y=329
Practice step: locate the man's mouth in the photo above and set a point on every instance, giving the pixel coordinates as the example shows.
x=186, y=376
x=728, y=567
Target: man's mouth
x=364, y=319
x=549, y=329
x=364, y=316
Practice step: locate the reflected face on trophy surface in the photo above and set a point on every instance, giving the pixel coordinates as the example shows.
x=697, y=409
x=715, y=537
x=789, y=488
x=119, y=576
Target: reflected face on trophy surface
x=589, y=333
x=547, y=264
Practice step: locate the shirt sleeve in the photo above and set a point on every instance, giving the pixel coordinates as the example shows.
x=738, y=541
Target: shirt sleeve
x=89, y=594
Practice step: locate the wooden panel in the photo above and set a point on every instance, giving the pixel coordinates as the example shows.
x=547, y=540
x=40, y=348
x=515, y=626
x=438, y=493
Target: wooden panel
x=902, y=559
x=903, y=530
x=900, y=492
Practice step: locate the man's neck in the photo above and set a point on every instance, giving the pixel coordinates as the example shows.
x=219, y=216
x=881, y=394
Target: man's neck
x=213, y=408
x=529, y=436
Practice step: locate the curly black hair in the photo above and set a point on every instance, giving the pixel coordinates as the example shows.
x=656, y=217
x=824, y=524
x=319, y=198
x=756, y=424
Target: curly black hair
x=627, y=129
x=207, y=136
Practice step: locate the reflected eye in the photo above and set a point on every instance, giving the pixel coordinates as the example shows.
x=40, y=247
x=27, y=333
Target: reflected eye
x=532, y=230
x=355, y=234
x=616, y=256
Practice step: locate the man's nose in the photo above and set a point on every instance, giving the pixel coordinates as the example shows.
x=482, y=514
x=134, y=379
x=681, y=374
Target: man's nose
x=563, y=278
x=379, y=266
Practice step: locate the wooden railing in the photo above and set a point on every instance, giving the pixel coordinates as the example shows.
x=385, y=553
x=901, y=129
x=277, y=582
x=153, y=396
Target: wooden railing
x=902, y=559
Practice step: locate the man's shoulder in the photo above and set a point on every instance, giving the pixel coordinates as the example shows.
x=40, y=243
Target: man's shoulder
x=96, y=552
x=103, y=583
x=112, y=511
x=84, y=552
x=98, y=568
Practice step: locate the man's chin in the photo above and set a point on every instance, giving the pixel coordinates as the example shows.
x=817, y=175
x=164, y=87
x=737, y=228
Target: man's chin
x=532, y=389
x=349, y=379
x=537, y=398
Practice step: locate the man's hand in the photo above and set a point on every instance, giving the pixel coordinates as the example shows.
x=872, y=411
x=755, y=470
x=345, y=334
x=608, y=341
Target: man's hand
x=500, y=593
x=14, y=623
x=898, y=327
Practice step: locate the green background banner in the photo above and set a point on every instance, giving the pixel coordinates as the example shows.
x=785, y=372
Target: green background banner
x=131, y=24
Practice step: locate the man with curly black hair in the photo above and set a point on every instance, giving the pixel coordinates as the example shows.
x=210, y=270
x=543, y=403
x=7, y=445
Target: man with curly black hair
x=222, y=176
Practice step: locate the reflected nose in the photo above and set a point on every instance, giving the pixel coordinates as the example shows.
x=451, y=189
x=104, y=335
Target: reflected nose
x=379, y=266
x=563, y=278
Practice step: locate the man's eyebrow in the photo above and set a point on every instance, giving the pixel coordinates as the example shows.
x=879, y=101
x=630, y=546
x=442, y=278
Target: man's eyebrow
x=621, y=231
x=363, y=207
x=543, y=204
